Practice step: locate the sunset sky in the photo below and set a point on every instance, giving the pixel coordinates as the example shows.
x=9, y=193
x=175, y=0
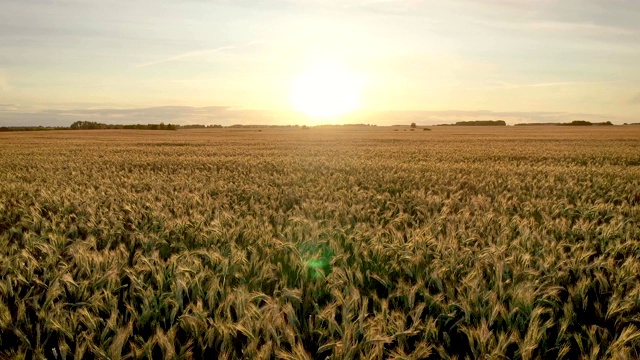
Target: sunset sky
x=235, y=61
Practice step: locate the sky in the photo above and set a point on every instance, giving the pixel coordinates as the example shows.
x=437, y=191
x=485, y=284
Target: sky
x=234, y=61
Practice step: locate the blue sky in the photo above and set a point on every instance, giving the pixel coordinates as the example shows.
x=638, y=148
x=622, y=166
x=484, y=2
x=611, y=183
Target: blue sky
x=233, y=61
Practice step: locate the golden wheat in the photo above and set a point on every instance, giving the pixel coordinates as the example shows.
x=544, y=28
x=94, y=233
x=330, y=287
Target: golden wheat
x=324, y=243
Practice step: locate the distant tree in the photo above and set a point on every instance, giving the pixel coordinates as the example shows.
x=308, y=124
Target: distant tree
x=86, y=125
x=578, y=123
x=413, y=125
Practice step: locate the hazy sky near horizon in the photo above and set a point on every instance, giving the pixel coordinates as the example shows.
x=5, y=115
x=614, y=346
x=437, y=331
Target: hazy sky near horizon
x=231, y=61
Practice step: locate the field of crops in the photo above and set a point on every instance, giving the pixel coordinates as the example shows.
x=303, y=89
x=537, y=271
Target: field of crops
x=321, y=243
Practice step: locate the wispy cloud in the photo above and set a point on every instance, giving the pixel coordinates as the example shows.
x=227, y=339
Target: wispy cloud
x=635, y=100
x=563, y=27
x=186, y=55
x=507, y=85
x=190, y=54
x=582, y=28
x=229, y=115
x=451, y=116
x=4, y=81
x=224, y=115
x=8, y=107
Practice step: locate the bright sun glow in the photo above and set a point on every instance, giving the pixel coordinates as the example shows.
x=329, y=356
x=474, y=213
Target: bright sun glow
x=326, y=91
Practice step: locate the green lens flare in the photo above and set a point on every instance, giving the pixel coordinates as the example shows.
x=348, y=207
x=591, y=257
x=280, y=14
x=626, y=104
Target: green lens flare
x=318, y=268
x=317, y=259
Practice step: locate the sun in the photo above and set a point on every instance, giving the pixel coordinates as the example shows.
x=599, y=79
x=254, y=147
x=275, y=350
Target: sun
x=326, y=91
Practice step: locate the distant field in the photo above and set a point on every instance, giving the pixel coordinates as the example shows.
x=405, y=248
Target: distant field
x=314, y=243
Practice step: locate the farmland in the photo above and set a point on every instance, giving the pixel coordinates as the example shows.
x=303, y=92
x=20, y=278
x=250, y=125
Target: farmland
x=323, y=242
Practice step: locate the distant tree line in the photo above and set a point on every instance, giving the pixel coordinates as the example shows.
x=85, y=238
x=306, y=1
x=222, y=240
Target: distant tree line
x=481, y=123
x=31, y=128
x=502, y=123
x=199, y=126
x=91, y=125
x=585, y=123
x=477, y=123
x=345, y=125
x=573, y=123
x=241, y=126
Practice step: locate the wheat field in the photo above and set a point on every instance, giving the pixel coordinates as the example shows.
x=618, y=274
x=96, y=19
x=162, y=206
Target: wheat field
x=339, y=243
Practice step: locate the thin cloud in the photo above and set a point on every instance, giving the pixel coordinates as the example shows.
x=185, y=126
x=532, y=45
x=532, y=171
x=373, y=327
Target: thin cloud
x=232, y=115
x=219, y=50
x=558, y=83
x=543, y=84
x=8, y=107
x=187, y=55
x=635, y=99
x=4, y=81
x=168, y=114
x=582, y=28
x=562, y=27
x=452, y=116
